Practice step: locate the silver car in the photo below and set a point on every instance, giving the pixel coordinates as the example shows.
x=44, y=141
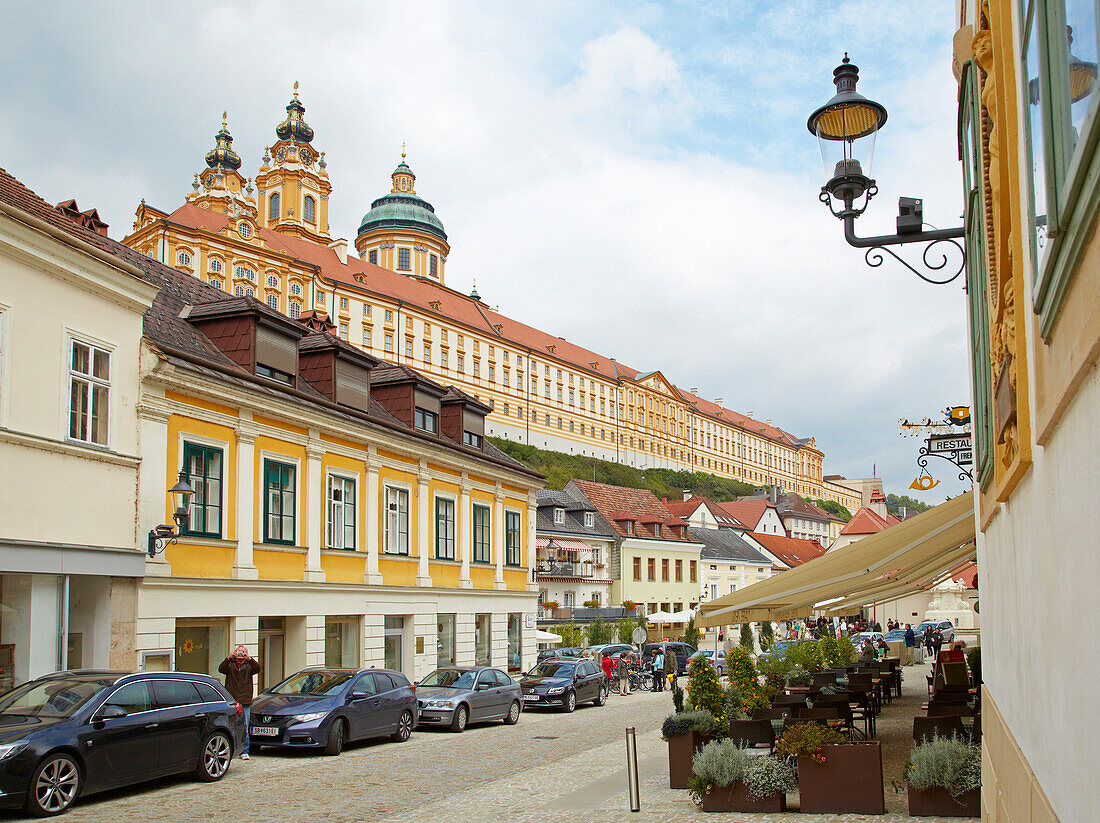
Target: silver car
x=458, y=695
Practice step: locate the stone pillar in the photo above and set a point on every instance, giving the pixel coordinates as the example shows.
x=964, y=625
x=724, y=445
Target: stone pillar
x=498, y=537
x=315, y=639
x=465, y=532
x=243, y=566
x=529, y=546
x=152, y=491
x=373, y=549
x=423, y=525
x=315, y=526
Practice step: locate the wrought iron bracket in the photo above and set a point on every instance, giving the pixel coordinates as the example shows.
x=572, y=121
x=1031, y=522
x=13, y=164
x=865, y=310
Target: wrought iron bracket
x=922, y=461
x=935, y=257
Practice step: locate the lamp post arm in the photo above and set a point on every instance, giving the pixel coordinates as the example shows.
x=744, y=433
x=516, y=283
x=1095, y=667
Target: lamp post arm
x=934, y=259
x=933, y=236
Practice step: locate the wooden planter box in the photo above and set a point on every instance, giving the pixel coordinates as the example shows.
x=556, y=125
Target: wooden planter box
x=681, y=750
x=850, y=780
x=938, y=802
x=736, y=798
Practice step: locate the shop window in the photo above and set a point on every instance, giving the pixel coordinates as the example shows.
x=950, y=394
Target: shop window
x=445, y=641
x=515, y=642
x=201, y=645
x=482, y=639
x=342, y=642
x=394, y=642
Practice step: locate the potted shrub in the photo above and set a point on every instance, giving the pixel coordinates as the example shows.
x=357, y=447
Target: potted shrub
x=945, y=777
x=798, y=676
x=686, y=733
x=833, y=774
x=705, y=693
x=729, y=779
x=744, y=678
x=550, y=605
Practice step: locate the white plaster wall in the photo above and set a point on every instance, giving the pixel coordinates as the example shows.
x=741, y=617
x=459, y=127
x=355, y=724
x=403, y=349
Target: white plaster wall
x=1039, y=574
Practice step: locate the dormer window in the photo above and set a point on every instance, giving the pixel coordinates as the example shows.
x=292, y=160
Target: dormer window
x=471, y=439
x=559, y=516
x=426, y=421
x=309, y=209
x=629, y=527
x=274, y=374
x=589, y=520
x=656, y=529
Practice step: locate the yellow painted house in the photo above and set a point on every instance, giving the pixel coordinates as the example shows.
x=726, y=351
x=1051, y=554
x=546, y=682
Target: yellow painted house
x=347, y=512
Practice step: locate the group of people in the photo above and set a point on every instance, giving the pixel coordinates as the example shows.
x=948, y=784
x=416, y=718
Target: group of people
x=618, y=667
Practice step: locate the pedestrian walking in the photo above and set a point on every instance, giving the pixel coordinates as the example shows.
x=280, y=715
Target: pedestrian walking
x=622, y=669
x=658, y=671
x=928, y=640
x=937, y=643
x=607, y=664
x=672, y=666
x=910, y=642
x=239, y=669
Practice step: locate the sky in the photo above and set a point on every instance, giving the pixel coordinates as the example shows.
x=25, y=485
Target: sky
x=635, y=177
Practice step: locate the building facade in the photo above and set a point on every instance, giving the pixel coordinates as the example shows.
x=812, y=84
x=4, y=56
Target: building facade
x=573, y=550
x=70, y=324
x=392, y=301
x=1028, y=130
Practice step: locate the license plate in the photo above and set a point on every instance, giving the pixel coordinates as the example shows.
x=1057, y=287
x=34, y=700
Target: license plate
x=265, y=730
x=532, y=698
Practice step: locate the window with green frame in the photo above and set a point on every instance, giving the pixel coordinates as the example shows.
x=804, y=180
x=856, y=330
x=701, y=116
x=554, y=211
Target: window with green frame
x=512, y=539
x=204, y=472
x=1059, y=47
x=970, y=150
x=279, y=502
x=444, y=528
x=483, y=552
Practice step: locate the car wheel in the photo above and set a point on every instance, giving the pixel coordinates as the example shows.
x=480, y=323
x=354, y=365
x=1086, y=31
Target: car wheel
x=570, y=701
x=458, y=722
x=54, y=786
x=214, y=761
x=512, y=718
x=404, y=727
x=602, y=698
x=337, y=734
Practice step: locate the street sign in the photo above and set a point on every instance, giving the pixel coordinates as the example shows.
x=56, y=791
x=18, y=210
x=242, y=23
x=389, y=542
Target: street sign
x=529, y=620
x=639, y=636
x=938, y=444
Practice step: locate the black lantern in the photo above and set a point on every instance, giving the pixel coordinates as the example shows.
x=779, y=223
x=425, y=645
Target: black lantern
x=845, y=128
x=163, y=535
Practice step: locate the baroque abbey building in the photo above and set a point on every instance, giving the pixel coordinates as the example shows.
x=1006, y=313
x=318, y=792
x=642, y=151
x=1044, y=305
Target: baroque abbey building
x=269, y=237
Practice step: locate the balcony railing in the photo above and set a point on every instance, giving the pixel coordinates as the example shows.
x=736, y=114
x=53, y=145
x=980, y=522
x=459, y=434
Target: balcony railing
x=582, y=614
x=564, y=568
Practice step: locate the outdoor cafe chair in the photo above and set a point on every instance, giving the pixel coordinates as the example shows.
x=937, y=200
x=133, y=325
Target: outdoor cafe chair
x=942, y=726
x=824, y=679
x=753, y=733
x=948, y=709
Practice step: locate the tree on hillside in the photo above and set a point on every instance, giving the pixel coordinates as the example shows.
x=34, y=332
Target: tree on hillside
x=894, y=503
x=835, y=509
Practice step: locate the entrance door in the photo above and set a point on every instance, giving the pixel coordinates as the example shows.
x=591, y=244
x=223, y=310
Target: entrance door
x=272, y=644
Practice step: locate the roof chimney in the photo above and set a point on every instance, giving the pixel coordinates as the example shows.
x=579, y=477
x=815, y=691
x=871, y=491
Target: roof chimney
x=687, y=494
x=749, y=415
x=768, y=422
x=694, y=390
x=340, y=246
x=718, y=401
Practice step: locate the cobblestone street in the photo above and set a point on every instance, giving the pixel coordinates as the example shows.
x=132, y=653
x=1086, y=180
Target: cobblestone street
x=550, y=767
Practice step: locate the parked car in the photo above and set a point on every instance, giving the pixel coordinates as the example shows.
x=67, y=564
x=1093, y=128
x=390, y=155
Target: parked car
x=568, y=651
x=69, y=734
x=683, y=652
x=564, y=684
x=895, y=635
x=946, y=627
x=327, y=707
x=708, y=655
x=597, y=653
x=857, y=639
x=456, y=696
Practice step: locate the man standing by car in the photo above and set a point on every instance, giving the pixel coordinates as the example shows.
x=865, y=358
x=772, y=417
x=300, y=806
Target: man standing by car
x=658, y=670
x=622, y=670
x=910, y=642
x=672, y=666
x=239, y=669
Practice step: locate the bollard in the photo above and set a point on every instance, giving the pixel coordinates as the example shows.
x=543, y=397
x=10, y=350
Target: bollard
x=632, y=769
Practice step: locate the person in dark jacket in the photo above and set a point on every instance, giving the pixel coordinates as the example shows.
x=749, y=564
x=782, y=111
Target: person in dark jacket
x=672, y=666
x=937, y=642
x=658, y=671
x=622, y=671
x=239, y=669
x=910, y=642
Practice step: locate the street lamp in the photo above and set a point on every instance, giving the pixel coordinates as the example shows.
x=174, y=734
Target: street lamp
x=162, y=536
x=846, y=128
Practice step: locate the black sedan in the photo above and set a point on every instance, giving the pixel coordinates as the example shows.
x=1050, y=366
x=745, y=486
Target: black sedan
x=325, y=708
x=563, y=684
x=457, y=695
x=69, y=734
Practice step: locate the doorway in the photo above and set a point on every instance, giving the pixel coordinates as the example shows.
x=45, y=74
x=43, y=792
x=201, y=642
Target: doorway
x=272, y=650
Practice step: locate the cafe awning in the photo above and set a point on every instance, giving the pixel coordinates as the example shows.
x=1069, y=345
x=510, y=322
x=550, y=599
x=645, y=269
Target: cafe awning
x=912, y=556
x=563, y=544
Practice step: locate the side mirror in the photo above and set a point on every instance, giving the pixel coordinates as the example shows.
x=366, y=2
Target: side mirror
x=482, y=687
x=358, y=695
x=110, y=713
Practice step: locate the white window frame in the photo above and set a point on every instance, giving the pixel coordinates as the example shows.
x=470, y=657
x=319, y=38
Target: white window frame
x=393, y=518
x=589, y=520
x=337, y=528
x=450, y=498
x=559, y=515
x=180, y=255
x=71, y=338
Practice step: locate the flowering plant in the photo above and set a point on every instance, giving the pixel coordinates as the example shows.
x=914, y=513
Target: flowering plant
x=807, y=740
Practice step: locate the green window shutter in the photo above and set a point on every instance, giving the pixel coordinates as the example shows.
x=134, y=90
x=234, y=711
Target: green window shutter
x=203, y=465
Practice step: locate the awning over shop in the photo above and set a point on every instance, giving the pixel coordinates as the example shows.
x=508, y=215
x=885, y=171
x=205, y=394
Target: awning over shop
x=912, y=556
x=563, y=544
x=547, y=637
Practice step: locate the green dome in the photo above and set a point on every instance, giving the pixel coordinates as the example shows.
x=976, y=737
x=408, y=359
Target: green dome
x=398, y=210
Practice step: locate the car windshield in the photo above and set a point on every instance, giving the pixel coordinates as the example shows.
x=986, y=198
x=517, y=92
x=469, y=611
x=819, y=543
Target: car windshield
x=52, y=698
x=553, y=668
x=450, y=679
x=316, y=684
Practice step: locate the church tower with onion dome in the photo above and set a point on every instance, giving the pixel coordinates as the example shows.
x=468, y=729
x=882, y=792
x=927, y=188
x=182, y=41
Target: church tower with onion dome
x=220, y=187
x=401, y=231
x=292, y=184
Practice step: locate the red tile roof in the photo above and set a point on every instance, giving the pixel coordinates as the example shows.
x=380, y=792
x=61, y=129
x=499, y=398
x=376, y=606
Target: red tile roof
x=640, y=504
x=683, y=508
x=794, y=551
x=868, y=521
x=748, y=512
